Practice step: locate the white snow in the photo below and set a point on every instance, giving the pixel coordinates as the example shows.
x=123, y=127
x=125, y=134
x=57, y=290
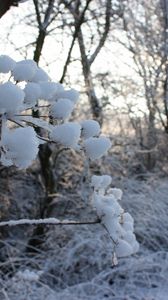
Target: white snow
x=101, y=181
x=128, y=218
x=11, y=98
x=119, y=225
x=95, y=148
x=67, y=134
x=40, y=76
x=32, y=92
x=59, y=93
x=70, y=94
x=128, y=226
x=24, y=70
x=6, y=64
x=62, y=109
x=123, y=249
x=20, y=146
x=90, y=128
x=129, y=236
x=30, y=222
x=48, y=90
x=118, y=193
x=28, y=275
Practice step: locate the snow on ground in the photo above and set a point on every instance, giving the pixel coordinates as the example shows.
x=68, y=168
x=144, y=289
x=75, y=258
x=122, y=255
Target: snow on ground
x=74, y=262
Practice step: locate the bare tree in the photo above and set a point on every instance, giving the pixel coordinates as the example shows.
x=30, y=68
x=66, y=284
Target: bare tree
x=145, y=25
x=99, y=21
x=80, y=16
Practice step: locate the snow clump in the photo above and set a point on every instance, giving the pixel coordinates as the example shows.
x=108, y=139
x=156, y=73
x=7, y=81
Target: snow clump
x=100, y=182
x=62, y=109
x=70, y=94
x=48, y=90
x=67, y=134
x=19, y=146
x=14, y=103
x=11, y=98
x=40, y=76
x=90, y=128
x=24, y=70
x=119, y=225
x=32, y=92
x=95, y=147
x=28, y=275
x=7, y=64
x=118, y=193
x=58, y=94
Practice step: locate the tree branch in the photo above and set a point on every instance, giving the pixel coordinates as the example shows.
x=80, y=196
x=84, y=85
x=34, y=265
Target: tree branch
x=48, y=13
x=77, y=28
x=46, y=221
x=105, y=32
x=37, y=13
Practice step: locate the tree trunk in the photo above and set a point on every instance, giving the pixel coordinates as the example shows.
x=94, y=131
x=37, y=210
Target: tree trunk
x=94, y=102
x=151, y=142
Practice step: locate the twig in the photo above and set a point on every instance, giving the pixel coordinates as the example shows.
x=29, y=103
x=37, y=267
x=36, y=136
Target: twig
x=104, y=34
x=78, y=25
x=146, y=151
x=47, y=221
x=16, y=122
x=36, y=5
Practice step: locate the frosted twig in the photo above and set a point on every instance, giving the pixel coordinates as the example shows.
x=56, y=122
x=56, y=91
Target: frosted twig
x=16, y=122
x=47, y=221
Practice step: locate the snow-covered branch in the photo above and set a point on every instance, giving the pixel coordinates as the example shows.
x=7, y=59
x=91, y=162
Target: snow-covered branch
x=19, y=146
x=47, y=221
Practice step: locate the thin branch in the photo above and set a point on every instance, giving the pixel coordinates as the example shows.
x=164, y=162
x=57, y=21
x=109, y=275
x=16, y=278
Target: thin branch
x=29, y=115
x=77, y=28
x=43, y=139
x=37, y=13
x=48, y=13
x=47, y=221
x=90, y=90
x=105, y=32
x=54, y=16
x=146, y=151
x=16, y=122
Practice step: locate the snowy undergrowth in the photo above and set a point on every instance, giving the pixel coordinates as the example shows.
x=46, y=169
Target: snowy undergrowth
x=75, y=261
x=137, y=278
x=147, y=201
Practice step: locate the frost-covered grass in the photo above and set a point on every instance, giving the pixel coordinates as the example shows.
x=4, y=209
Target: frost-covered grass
x=148, y=203
x=75, y=261
x=78, y=276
